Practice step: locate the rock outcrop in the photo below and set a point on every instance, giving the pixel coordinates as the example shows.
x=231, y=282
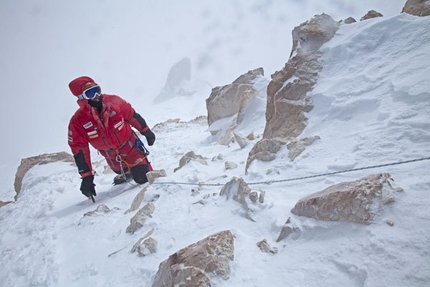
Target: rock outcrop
x=349, y=20
x=371, y=14
x=417, y=7
x=287, y=100
x=225, y=101
x=29, y=162
x=227, y=105
x=358, y=201
x=196, y=264
x=3, y=203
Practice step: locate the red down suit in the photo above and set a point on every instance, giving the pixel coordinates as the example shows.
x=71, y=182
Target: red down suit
x=110, y=132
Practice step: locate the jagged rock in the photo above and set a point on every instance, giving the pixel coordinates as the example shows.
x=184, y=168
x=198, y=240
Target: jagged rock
x=101, y=209
x=2, y=203
x=230, y=165
x=137, y=200
x=197, y=263
x=140, y=244
x=265, y=247
x=357, y=201
x=417, y=7
x=153, y=174
x=287, y=100
x=228, y=137
x=239, y=191
x=145, y=247
x=349, y=20
x=296, y=147
x=264, y=150
x=190, y=156
x=371, y=14
x=29, y=162
x=139, y=218
x=228, y=105
x=251, y=136
x=241, y=141
x=246, y=97
x=286, y=94
x=287, y=229
x=225, y=101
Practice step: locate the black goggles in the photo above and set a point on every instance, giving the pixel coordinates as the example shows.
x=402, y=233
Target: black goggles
x=91, y=93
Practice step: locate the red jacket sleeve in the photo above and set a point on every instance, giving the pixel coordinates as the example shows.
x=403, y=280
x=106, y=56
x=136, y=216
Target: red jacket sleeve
x=130, y=115
x=80, y=149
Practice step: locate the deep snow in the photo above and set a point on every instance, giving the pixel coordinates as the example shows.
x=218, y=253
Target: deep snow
x=372, y=106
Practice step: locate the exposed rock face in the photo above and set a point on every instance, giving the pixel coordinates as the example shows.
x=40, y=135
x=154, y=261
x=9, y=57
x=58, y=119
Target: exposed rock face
x=417, y=7
x=287, y=100
x=371, y=14
x=356, y=201
x=29, y=162
x=197, y=263
x=225, y=101
x=286, y=94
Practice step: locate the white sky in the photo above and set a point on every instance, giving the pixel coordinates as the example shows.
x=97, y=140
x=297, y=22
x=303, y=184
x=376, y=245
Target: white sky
x=371, y=107
x=129, y=48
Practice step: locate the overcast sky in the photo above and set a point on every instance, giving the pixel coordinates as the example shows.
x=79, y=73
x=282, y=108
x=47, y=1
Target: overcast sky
x=45, y=44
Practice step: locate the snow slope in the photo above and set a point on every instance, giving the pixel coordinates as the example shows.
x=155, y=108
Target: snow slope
x=372, y=104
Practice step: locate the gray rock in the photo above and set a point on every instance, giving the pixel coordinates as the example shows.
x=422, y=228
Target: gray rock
x=196, y=264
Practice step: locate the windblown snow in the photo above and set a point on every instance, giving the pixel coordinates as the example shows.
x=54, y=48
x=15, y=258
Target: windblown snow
x=372, y=107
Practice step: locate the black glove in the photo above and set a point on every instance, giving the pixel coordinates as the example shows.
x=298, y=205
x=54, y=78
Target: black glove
x=150, y=137
x=87, y=186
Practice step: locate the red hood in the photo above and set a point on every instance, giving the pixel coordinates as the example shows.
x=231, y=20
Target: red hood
x=77, y=85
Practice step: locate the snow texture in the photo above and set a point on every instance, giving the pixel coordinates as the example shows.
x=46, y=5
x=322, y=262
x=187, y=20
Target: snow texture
x=372, y=104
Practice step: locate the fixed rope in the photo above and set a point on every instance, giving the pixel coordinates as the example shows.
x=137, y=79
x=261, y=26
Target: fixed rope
x=303, y=177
